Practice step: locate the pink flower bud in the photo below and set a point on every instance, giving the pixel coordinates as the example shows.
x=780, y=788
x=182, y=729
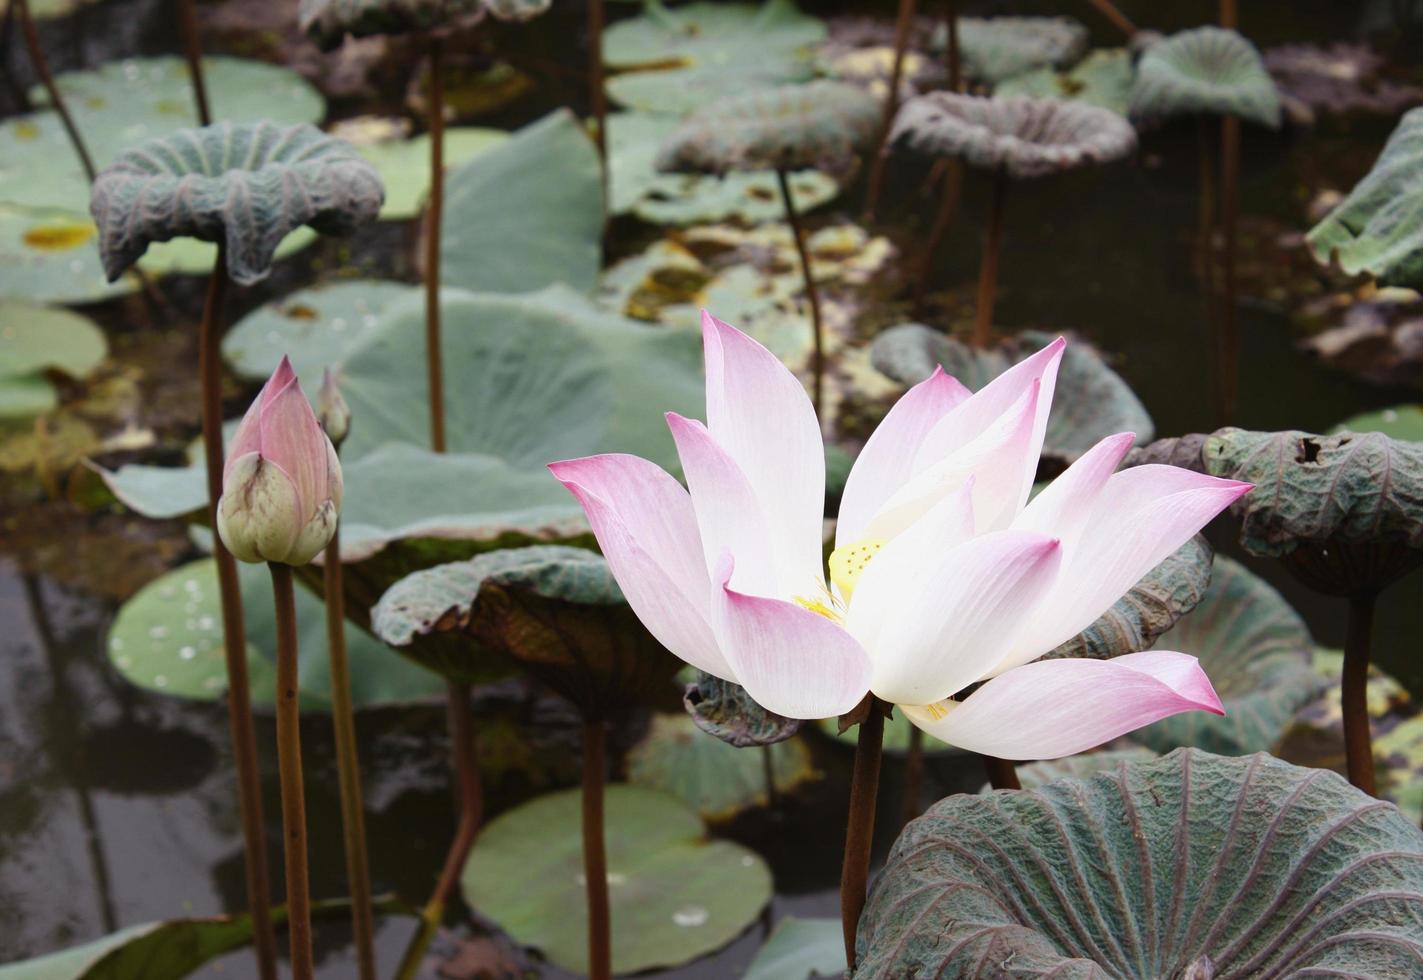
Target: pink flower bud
x=281, y=487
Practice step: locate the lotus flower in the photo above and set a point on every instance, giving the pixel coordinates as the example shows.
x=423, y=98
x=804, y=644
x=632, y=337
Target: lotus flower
x=943, y=575
x=281, y=487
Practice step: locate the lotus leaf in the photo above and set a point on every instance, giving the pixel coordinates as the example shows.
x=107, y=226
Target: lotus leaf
x=1404, y=423
x=1256, y=651
x=1090, y=403
x=822, y=125
x=245, y=185
x=1207, y=70
x=329, y=21
x=33, y=338
x=675, y=895
x=724, y=709
x=717, y=779
x=526, y=213
x=1341, y=77
x=554, y=610
x=1037, y=774
x=676, y=60
x=26, y=396
x=1204, y=866
x=47, y=255
x=1103, y=78
x=798, y=948
x=1021, y=137
x=1378, y=228
x=404, y=164
x=997, y=48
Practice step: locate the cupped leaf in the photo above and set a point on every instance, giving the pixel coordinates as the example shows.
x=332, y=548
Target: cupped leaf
x=404, y=164
x=1207, y=70
x=800, y=948
x=168, y=638
x=717, y=779
x=1090, y=402
x=246, y=186
x=675, y=895
x=526, y=213
x=1033, y=775
x=1103, y=78
x=555, y=611
x=1018, y=136
x=1257, y=652
x=725, y=710
x=34, y=338
x=821, y=124
x=676, y=60
x=997, y=48
x=1378, y=228
x=1191, y=865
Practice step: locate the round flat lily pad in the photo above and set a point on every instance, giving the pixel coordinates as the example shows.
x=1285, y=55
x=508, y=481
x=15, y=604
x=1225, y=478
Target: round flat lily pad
x=998, y=48
x=1193, y=865
x=1404, y=422
x=1258, y=654
x=33, y=338
x=717, y=779
x=1205, y=70
x=1103, y=78
x=674, y=894
x=404, y=164
x=49, y=256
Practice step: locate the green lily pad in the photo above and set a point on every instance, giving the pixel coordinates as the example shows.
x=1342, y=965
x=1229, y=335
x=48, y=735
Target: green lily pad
x=318, y=327
x=1257, y=652
x=997, y=48
x=47, y=255
x=168, y=638
x=675, y=895
x=50, y=9
x=1207, y=70
x=1405, y=423
x=1034, y=775
x=1399, y=758
x=556, y=611
x=33, y=338
x=717, y=779
x=1103, y=78
x=1378, y=228
x=674, y=60
x=527, y=212
x=636, y=187
x=819, y=125
x=247, y=186
x=1091, y=400
x=404, y=164
x=1204, y=866
x=26, y=396
x=798, y=948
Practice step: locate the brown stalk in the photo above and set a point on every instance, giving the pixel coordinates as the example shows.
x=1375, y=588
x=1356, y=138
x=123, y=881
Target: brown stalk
x=812, y=295
x=880, y=155
x=41, y=66
x=193, y=52
x=434, y=352
x=1002, y=774
x=1119, y=20
x=1358, y=739
x=988, y=267
x=595, y=855
x=860, y=832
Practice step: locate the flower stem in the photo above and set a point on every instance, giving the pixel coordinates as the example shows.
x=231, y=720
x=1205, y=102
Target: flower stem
x=860, y=833
x=597, y=97
x=434, y=352
x=41, y=66
x=1002, y=774
x=943, y=220
x=988, y=267
x=348, y=764
x=289, y=766
x=953, y=53
x=1230, y=218
x=913, y=774
x=816, y=327
x=465, y=763
x=234, y=637
x=1119, y=20
x=193, y=51
x=1358, y=740
x=879, y=156
x=595, y=857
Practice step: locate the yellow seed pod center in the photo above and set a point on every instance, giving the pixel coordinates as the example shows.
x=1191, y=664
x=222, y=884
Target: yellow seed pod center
x=848, y=563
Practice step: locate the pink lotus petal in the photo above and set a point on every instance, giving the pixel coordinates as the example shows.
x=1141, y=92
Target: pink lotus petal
x=1064, y=506
x=887, y=461
x=761, y=416
x=647, y=531
x=791, y=661
x=292, y=438
x=942, y=628
x=1056, y=708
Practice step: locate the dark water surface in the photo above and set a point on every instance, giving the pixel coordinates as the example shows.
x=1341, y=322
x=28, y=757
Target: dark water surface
x=117, y=805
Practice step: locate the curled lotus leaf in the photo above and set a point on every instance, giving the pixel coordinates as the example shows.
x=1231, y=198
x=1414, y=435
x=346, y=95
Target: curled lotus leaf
x=329, y=21
x=243, y=185
x=821, y=124
x=1258, y=654
x=1150, y=608
x=1034, y=774
x=997, y=48
x=1020, y=136
x=1378, y=228
x=724, y=709
x=1203, y=866
x=555, y=611
x=1207, y=70
x=1091, y=401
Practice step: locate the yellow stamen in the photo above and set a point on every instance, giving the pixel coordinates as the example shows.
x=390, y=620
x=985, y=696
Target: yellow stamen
x=848, y=563
x=936, y=711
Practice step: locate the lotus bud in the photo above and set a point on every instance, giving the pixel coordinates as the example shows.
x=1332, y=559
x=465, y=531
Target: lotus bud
x=281, y=487
x=331, y=409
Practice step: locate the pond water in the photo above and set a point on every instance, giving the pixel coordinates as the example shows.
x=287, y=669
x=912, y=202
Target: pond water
x=117, y=805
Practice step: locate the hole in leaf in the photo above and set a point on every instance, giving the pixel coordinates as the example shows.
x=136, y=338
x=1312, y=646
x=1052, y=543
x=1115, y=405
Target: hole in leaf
x=1308, y=451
